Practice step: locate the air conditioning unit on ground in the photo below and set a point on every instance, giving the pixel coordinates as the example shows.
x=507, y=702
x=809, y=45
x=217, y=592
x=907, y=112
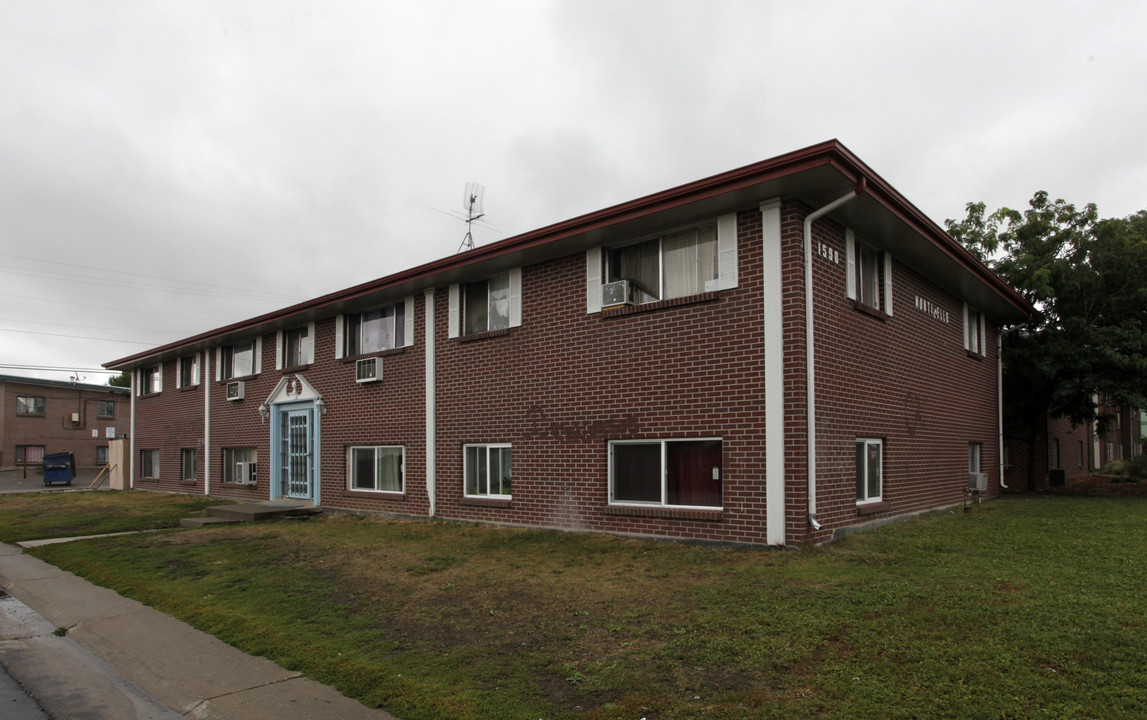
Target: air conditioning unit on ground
x=978, y=481
x=368, y=370
x=618, y=292
x=235, y=390
x=245, y=473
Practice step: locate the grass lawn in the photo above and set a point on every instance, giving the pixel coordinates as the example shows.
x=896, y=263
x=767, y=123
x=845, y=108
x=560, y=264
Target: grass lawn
x=35, y=516
x=1030, y=607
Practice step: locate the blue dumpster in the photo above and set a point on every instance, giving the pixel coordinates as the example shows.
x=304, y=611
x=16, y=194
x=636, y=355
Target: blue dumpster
x=59, y=467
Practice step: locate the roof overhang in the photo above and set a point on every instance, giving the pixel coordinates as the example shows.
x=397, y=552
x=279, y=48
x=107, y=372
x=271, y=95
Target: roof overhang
x=815, y=175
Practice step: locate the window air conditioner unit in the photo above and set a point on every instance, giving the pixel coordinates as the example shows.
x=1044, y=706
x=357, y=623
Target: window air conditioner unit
x=368, y=370
x=235, y=390
x=978, y=481
x=618, y=292
x=245, y=473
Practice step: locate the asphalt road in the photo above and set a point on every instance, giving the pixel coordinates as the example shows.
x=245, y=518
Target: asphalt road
x=13, y=480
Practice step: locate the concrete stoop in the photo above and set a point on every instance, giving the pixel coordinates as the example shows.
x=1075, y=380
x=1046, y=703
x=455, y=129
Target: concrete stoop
x=253, y=512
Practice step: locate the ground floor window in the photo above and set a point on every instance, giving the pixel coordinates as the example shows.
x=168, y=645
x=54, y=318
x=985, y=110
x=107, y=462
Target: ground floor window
x=375, y=468
x=666, y=472
x=188, y=463
x=487, y=470
x=102, y=455
x=29, y=454
x=869, y=469
x=239, y=464
x=149, y=464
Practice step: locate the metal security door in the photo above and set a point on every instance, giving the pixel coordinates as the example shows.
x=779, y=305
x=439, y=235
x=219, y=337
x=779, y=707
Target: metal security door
x=296, y=459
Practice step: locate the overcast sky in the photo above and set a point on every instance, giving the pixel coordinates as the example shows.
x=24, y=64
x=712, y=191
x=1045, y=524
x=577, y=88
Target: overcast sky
x=167, y=168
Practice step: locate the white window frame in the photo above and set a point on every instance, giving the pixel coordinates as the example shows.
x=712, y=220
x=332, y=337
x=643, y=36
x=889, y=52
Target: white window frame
x=149, y=464
x=866, y=497
x=99, y=407
x=376, y=449
x=37, y=407
x=101, y=455
x=232, y=455
x=883, y=267
x=456, y=316
x=974, y=334
x=187, y=362
x=306, y=346
x=487, y=447
x=227, y=361
x=405, y=333
x=184, y=455
x=150, y=380
x=597, y=259
x=664, y=455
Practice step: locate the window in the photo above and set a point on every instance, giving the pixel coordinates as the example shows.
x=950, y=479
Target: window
x=487, y=305
x=150, y=380
x=105, y=409
x=102, y=455
x=189, y=371
x=1080, y=453
x=869, y=278
x=298, y=347
x=187, y=463
x=869, y=469
x=675, y=265
x=149, y=464
x=29, y=454
x=232, y=456
x=665, y=472
x=487, y=470
x=974, y=451
x=377, y=469
x=239, y=360
x=29, y=405
x=973, y=330
x=376, y=330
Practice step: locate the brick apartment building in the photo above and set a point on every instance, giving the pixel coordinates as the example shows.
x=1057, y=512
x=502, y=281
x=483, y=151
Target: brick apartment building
x=48, y=416
x=645, y=369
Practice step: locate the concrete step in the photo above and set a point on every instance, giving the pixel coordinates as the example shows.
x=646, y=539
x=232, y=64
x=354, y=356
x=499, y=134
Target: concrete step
x=202, y=521
x=264, y=511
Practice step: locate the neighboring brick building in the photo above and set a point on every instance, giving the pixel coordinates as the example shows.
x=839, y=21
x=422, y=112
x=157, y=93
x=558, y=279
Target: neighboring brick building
x=1065, y=451
x=48, y=416
x=644, y=368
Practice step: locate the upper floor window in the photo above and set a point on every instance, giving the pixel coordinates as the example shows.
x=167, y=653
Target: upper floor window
x=869, y=275
x=665, y=472
x=189, y=371
x=973, y=330
x=869, y=469
x=239, y=360
x=151, y=380
x=384, y=328
x=27, y=405
x=683, y=262
x=296, y=347
x=105, y=409
x=491, y=304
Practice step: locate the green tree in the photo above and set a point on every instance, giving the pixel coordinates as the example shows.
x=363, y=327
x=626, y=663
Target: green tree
x=121, y=380
x=1088, y=278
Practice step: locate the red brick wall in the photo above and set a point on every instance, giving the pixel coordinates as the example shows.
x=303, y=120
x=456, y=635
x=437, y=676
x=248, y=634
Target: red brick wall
x=170, y=421
x=565, y=382
x=55, y=429
x=905, y=379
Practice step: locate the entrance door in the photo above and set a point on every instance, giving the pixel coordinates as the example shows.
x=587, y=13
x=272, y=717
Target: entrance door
x=296, y=455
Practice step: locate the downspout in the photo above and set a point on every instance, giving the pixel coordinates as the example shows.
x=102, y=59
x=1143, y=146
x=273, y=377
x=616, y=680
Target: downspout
x=1000, y=396
x=431, y=427
x=810, y=371
x=203, y=375
x=131, y=429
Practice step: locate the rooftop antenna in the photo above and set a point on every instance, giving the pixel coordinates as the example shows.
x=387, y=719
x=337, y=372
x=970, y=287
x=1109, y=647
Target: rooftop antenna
x=472, y=204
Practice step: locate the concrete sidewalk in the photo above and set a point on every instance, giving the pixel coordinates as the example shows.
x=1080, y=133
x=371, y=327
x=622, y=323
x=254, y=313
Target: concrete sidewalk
x=119, y=659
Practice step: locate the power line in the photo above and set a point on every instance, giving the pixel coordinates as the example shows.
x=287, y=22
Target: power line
x=108, y=282
x=280, y=296
x=78, y=337
x=114, y=309
x=90, y=327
